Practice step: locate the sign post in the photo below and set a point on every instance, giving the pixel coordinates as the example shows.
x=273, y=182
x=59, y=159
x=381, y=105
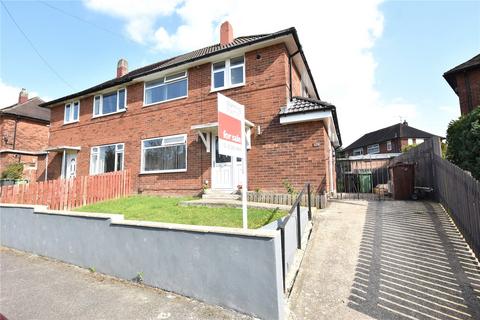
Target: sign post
x=231, y=139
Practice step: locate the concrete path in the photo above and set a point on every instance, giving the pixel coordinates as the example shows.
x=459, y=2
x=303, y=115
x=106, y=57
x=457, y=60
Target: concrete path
x=386, y=260
x=33, y=287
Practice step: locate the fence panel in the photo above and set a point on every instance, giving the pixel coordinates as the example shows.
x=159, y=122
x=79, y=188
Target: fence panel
x=69, y=193
x=318, y=200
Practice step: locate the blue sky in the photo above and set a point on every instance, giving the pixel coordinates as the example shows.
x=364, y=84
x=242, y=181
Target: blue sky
x=382, y=62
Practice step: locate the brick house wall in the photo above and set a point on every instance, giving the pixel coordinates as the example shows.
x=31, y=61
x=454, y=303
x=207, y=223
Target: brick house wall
x=31, y=135
x=468, y=90
x=281, y=152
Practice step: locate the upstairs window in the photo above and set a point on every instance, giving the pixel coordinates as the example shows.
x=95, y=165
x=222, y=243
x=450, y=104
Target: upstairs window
x=72, y=112
x=170, y=87
x=389, y=145
x=228, y=73
x=106, y=158
x=164, y=154
x=358, y=152
x=374, y=148
x=111, y=102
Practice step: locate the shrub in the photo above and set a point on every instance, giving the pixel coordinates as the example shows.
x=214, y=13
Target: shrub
x=463, y=139
x=409, y=147
x=13, y=171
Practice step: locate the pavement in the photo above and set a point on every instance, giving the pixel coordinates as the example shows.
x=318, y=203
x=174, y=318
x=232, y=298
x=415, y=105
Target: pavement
x=386, y=260
x=36, y=288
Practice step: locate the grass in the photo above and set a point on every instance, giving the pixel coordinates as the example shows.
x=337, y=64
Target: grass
x=163, y=209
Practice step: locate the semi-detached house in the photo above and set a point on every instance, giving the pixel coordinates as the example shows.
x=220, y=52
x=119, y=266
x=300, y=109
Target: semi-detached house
x=160, y=121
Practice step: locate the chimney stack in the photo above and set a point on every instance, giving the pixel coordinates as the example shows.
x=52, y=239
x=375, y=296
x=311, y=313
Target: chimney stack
x=23, y=96
x=122, y=68
x=405, y=123
x=226, y=33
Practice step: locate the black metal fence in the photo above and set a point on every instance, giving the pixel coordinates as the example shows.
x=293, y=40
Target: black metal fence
x=295, y=210
x=362, y=178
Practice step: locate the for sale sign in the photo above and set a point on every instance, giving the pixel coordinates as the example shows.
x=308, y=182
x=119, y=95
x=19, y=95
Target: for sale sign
x=231, y=122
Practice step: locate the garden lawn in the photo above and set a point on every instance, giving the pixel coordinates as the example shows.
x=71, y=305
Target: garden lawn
x=163, y=209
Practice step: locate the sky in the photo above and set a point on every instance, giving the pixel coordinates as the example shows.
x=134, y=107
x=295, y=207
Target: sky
x=379, y=62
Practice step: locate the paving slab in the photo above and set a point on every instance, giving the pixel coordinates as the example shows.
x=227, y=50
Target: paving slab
x=386, y=260
x=37, y=288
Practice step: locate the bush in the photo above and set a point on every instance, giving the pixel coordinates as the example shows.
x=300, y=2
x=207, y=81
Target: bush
x=408, y=148
x=463, y=139
x=13, y=171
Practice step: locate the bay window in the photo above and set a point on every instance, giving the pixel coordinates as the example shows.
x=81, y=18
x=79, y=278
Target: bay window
x=107, y=158
x=164, y=154
x=72, y=112
x=111, y=102
x=170, y=87
x=228, y=73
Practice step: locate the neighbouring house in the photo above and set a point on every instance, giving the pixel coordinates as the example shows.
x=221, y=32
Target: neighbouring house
x=24, y=129
x=160, y=121
x=389, y=140
x=465, y=81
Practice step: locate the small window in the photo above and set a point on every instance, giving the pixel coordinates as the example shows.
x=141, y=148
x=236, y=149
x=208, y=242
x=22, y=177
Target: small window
x=389, y=145
x=358, y=152
x=111, y=102
x=164, y=154
x=107, y=158
x=72, y=112
x=374, y=148
x=170, y=87
x=228, y=73
x=410, y=141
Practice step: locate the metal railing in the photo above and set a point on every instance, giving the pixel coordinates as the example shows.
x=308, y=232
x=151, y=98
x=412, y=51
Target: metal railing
x=294, y=210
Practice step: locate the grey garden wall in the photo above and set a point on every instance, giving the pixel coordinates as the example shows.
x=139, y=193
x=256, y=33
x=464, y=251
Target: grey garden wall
x=290, y=234
x=229, y=267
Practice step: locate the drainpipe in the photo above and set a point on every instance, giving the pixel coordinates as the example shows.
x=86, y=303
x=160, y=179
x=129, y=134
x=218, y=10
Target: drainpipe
x=46, y=167
x=15, y=133
x=290, y=71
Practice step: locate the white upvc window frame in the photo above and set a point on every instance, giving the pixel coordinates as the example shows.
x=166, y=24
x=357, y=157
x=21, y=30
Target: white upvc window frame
x=71, y=112
x=410, y=141
x=100, y=107
x=97, y=152
x=357, y=153
x=142, y=156
x=373, y=146
x=227, y=80
x=389, y=145
x=165, y=82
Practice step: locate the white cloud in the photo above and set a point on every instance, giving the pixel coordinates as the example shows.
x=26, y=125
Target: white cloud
x=9, y=94
x=337, y=37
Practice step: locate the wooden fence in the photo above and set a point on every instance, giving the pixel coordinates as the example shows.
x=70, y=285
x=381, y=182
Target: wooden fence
x=454, y=188
x=65, y=194
x=318, y=200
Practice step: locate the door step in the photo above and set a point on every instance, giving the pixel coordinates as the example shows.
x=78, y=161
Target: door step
x=220, y=195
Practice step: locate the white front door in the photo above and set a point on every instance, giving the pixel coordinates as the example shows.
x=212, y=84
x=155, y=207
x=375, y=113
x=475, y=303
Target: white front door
x=226, y=172
x=70, y=165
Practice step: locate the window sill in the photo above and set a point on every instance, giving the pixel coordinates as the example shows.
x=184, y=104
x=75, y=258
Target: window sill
x=71, y=122
x=162, y=171
x=226, y=88
x=161, y=102
x=109, y=114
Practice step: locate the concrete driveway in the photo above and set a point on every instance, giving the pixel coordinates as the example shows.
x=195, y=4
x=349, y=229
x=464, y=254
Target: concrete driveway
x=33, y=287
x=386, y=260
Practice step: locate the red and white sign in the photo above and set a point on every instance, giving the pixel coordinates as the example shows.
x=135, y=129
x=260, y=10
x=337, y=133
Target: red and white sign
x=231, y=124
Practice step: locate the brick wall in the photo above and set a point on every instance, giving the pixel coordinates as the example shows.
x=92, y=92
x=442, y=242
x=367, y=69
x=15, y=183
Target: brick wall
x=464, y=79
x=30, y=135
x=293, y=152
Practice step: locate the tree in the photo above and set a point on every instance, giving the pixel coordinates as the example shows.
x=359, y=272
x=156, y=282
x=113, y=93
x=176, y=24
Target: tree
x=463, y=140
